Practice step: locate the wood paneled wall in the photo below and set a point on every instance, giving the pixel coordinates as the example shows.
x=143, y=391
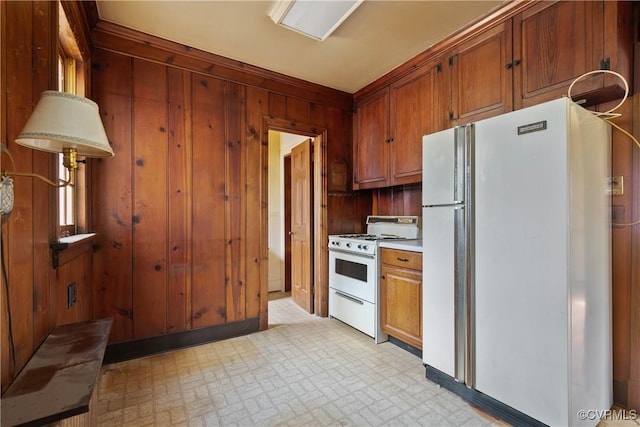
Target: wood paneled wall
x=36, y=299
x=178, y=210
x=350, y=212
x=626, y=260
x=400, y=200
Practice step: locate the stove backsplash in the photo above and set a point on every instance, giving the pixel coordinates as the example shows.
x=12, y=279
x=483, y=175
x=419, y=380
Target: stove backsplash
x=347, y=212
x=400, y=200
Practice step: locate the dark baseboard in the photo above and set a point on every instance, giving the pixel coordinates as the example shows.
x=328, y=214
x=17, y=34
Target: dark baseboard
x=134, y=349
x=411, y=349
x=481, y=400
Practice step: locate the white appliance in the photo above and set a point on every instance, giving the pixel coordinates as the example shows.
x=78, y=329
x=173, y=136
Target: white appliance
x=354, y=286
x=516, y=268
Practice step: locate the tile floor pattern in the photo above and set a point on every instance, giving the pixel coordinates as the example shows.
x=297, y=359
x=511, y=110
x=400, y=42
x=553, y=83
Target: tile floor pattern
x=303, y=371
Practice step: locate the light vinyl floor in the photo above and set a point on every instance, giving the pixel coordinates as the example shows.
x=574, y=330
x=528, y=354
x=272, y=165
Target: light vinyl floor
x=303, y=371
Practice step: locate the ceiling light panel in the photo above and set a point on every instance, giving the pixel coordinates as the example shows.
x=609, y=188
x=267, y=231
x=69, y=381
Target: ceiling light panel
x=314, y=18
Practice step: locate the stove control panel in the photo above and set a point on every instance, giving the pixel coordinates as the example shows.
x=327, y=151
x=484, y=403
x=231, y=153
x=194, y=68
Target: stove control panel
x=350, y=245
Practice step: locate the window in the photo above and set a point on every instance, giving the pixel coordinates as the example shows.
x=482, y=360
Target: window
x=66, y=195
x=71, y=78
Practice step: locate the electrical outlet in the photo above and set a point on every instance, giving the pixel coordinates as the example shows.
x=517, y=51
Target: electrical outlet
x=617, y=214
x=615, y=185
x=72, y=294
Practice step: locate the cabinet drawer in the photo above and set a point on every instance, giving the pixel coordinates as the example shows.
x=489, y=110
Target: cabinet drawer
x=399, y=258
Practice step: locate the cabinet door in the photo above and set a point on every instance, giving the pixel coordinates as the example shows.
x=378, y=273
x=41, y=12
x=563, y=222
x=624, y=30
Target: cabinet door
x=401, y=301
x=412, y=114
x=371, y=146
x=554, y=43
x=481, y=76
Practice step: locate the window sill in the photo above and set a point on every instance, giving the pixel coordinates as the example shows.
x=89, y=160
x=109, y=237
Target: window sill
x=68, y=248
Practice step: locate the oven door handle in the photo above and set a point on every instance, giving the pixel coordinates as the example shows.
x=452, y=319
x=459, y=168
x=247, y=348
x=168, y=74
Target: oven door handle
x=355, y=254
x=350, y=298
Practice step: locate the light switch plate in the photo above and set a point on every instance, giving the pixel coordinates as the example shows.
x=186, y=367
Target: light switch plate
x=615, y=185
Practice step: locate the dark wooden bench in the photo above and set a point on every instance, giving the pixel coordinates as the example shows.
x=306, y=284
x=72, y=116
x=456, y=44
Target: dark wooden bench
x=60, y=380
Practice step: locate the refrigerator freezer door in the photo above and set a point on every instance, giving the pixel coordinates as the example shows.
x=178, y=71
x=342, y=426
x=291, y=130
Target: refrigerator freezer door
x=438, y=289
x=443, y=166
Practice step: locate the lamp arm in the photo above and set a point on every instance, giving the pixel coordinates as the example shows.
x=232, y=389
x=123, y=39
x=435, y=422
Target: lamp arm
x=42, y=178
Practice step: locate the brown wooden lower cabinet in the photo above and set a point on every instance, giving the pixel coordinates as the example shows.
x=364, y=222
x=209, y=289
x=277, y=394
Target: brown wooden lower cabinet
x=401, y=295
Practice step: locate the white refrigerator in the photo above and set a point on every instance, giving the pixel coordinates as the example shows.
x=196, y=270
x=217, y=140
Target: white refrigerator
x=516, y=269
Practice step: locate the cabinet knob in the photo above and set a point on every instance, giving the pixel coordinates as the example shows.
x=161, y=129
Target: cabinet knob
x=388, y=140
x=402, y=259
x=512, y=64
x=382, y=277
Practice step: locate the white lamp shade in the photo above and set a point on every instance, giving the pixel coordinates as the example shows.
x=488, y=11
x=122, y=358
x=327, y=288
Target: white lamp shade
x=63, y=120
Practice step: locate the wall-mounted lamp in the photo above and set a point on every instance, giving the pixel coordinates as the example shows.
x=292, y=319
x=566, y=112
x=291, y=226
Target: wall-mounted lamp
x=62, y=123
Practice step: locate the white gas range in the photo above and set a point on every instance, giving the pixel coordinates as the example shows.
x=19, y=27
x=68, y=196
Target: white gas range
x=354, y=271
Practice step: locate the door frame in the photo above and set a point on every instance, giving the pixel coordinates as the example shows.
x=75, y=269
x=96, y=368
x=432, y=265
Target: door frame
x=320, y=225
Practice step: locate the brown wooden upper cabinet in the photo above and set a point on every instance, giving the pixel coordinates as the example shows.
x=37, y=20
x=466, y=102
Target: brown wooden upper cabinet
x=481, y=78
x=388, y=129
x=509, y=63
x=371, y=147
x=535, y=56
x=554, y=43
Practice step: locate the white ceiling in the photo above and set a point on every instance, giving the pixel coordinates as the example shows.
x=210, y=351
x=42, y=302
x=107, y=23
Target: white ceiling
x=376, y=38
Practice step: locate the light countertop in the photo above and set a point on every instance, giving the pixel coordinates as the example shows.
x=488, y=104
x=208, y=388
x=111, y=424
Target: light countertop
x=413, y=245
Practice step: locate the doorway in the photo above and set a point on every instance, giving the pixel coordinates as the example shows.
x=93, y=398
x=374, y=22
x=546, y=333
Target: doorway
x=319, y=265
x=279, y=199
x=290, y=178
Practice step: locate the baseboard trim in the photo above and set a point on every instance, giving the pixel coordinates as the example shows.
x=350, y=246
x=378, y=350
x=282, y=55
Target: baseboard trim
x=134, y=349
x=481, y=400
x=411, y=349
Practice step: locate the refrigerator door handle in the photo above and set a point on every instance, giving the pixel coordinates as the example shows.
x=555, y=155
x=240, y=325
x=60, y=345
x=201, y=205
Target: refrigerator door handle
x=459, y=162
x=469, y=273
x=460, y=293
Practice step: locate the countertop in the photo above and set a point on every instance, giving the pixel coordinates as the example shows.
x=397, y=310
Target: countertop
x=413, y=245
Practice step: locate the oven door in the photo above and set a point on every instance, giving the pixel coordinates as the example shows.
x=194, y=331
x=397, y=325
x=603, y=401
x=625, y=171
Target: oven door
x=353, y=274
